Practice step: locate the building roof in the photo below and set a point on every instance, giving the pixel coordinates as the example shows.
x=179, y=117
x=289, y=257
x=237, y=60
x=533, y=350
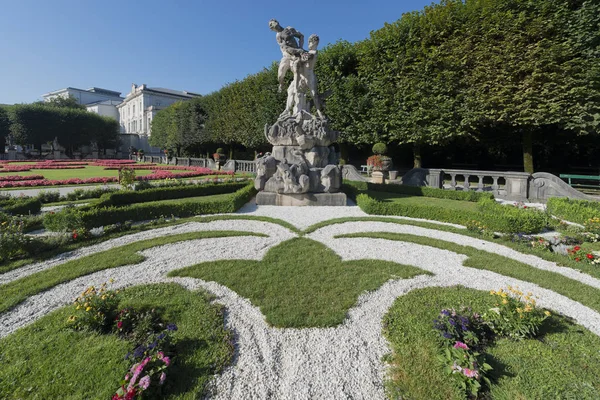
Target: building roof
x=182, y=93
x=92, y=90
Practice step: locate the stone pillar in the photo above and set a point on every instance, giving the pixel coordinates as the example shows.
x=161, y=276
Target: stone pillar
x=377, y=177
x=517, y=186
x=57, y=155
x=12, y=154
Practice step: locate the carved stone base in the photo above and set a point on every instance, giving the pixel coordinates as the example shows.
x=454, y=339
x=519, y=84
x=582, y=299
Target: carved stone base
x=305, y=199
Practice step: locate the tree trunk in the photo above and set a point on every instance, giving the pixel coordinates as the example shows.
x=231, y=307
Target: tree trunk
x=231, y=153
x=417, y=156
x=528, y=151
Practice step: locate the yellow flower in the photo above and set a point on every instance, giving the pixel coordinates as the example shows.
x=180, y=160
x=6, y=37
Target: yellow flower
x=78, y=307
x=528, y=308
x=104, y=297
x=492, y=292
x=88, y=308
x=547, y=313
x=111, y=280
x=504, y=301
x=519, y=310
x=503, y=295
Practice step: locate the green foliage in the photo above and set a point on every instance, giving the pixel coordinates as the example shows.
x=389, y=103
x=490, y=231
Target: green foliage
x=62, y=102
x=379, y=148
x=4, y=128
x=579, y=211
x=494, y=216
x=13, y=243
x=20, y=205
x=48, y=197
x=94, y=309
x=127, y=177
x=37, y=124
x=68, y=219
x=431, y=192
x=558, y=366
x=167, y=193
x=95, y=361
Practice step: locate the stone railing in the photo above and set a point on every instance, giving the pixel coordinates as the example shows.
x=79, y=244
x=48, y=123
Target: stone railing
x=230, y=165
x=509, y=185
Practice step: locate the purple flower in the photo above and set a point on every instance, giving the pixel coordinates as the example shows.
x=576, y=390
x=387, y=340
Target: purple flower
x=171, y=327
x=447, y=335
x=162, y=379
x=446, y=313
x=145, y=382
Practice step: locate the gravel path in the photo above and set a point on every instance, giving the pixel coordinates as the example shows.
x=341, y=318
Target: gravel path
x=341, y=362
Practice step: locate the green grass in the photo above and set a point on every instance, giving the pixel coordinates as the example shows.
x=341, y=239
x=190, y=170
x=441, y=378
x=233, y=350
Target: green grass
x=543, y=254
x=408, y=200
x=48, y=360
x=300, y=283
x=15, y=292
x=563, y=364
x=83, y=173
x=14, y=264
x=484, y=260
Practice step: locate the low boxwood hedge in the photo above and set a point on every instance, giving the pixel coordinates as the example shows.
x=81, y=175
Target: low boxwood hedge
x=573, y=210
x=100, y=216
x=167, y=193
x=353, y=187
x=495, y=217
x=20, y=206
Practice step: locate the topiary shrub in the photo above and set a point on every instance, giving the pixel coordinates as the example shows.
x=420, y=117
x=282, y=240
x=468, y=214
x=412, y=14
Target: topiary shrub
x=379, y=148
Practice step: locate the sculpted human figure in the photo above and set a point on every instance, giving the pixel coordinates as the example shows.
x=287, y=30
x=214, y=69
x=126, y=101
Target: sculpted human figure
x=291, y=49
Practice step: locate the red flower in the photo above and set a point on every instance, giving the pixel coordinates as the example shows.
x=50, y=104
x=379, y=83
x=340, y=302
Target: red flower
x=119, y=324
x=75, y=236
x=524, y=206
x=576, y=248
x=578, y=259
x=589, y=256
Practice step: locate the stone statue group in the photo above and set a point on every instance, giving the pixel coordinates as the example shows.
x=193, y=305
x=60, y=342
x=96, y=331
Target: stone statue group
x=303, y=159
x=302, y=64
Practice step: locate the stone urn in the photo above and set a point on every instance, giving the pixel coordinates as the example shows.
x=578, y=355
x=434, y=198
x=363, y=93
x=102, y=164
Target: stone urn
x=220, y=158
x=386, y=163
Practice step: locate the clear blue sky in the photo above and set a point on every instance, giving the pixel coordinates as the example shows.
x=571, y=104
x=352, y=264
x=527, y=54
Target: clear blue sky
x=186, y=45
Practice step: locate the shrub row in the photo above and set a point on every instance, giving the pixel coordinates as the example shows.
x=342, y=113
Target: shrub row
x=166, y=193
x=573, y=210
x=72, y=218
x=425, y=191
x=493, y=216
x=20, y=206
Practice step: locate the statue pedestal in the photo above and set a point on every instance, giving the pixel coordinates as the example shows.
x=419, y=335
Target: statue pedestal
x=377, y=177
x=304, y=199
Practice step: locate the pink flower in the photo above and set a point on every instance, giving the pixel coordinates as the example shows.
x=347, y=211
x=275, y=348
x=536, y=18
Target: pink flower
x=162, y=379
x=461, y=345
x=145, y=382
x=160, y=355
x=119, y=324
x=470, y=373
x=167, y=361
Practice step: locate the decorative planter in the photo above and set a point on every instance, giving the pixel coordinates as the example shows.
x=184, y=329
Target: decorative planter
x=393, y=175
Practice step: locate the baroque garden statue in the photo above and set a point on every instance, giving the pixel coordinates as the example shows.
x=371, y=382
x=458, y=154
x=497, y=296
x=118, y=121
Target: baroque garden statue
x=302, y=168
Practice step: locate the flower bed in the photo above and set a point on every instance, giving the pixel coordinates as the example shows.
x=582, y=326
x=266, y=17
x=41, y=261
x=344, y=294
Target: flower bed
x=16, y=168
x=14, y=178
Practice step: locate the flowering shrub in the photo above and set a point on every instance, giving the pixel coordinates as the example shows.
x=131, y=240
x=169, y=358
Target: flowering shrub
x=541, y=243
x=592, y=225
x=467, y=367
x=462, y=326
x=591, y=237
x=375, y=162
x=13, y=243
x=137, y=325
x=148, y=374
x=479, y=228
x=515, y=314
x=126, y=177
x=578, y=254
x=14, y=178
x=95, y=309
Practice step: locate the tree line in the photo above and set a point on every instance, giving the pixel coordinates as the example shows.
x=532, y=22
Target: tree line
x=477, y=70
x=40, y=123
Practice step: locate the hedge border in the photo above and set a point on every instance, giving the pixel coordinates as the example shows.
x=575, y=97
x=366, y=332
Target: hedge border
x=573, y=210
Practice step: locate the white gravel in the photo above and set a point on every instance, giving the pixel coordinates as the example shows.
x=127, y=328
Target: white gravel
x=333, y=363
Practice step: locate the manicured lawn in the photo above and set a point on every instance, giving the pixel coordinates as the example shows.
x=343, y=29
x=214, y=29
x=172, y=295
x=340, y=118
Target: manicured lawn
x=17, y=291
x=48, y=360
x=563, y=363
x=301, y=283
x=484, y=260
x=408, y=200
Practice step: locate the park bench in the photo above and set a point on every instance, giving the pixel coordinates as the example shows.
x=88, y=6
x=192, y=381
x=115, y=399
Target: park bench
x=569, y=177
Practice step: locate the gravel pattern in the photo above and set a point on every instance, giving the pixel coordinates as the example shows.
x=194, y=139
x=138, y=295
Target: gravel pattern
x=333, y=363
x=225, y=225
x=303, y=217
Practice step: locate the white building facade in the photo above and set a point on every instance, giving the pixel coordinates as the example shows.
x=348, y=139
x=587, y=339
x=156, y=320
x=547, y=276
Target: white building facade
x=85, y=96
x=106, y=108
x=140, y=106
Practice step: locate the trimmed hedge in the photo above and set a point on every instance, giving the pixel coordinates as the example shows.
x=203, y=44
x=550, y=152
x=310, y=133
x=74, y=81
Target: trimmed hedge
x=573, y=210
x=167, y=193
x=21, y=206
x=418, y=191
x=495, y=217
x=94, y=217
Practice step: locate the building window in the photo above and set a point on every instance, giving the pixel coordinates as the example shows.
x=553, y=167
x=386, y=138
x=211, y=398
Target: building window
x=134, y=110
x=129, y=127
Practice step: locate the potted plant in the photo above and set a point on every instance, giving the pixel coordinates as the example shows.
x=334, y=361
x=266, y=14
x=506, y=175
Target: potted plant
x=220, y=157
x=141, y=154
x=379, y=161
